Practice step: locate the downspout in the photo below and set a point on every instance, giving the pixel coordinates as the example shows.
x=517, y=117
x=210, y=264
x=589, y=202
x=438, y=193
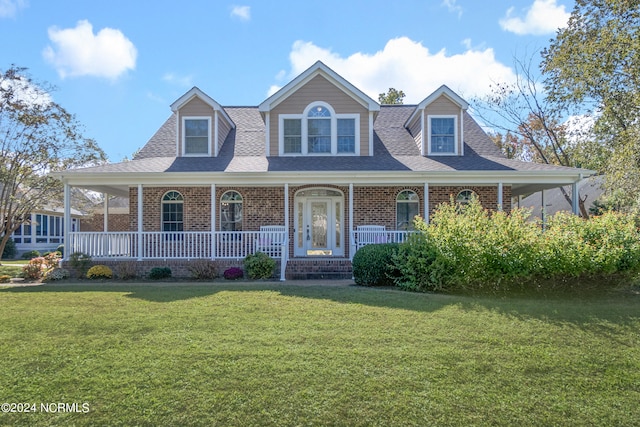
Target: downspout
x=426, y=202
x=67, y=221
x=140, y=202
x=284, y=256
x=352, y=243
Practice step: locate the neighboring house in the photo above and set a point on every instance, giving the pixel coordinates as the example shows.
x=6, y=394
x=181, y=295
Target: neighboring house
x=554, y=201
x=44, y=231
x=308, y=176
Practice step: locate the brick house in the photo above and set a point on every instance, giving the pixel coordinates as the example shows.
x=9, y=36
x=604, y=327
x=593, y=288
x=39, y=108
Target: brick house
x=308, y=176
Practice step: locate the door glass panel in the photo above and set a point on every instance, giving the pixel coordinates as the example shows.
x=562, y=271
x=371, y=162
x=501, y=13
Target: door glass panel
x=300, y=224
x=338, y=226
x=319, y=226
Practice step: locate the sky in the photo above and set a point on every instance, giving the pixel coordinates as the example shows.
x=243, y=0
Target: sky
x=117, y=65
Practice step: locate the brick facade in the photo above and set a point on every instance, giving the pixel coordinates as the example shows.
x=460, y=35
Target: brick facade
x=95, y=222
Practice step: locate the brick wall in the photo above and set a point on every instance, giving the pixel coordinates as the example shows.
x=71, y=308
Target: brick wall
x=95, y=222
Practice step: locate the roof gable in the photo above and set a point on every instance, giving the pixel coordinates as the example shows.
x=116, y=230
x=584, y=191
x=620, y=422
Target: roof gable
x=195, y=92
x=441, y=91
x=318, y=69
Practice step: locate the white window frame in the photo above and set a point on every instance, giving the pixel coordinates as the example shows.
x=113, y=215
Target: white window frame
x=406, y=202
x=184, y=136
x=305, y=135
x=455, y=134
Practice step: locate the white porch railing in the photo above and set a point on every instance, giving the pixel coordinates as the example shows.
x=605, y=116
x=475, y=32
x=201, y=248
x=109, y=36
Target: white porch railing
x=178, y=245
x=360, y=238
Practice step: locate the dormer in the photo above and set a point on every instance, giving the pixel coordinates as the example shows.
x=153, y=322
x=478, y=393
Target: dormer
x=437, y=123
x=202, y=125
x=319, y=113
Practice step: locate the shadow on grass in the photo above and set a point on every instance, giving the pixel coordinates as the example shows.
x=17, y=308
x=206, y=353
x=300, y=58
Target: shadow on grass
x=614, y=306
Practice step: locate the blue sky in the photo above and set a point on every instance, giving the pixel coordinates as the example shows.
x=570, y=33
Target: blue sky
x=118, y=64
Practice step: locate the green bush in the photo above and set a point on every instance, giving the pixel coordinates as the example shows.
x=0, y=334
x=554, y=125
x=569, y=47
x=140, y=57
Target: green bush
x=419, y=266
x=10, y=250
x=99, y=272
x=373, y=265
x=259, y=266
x=159, y=273
x=60, y=249
x=31, y=254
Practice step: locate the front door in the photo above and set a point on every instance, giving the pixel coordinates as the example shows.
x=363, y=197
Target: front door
x=318, y=223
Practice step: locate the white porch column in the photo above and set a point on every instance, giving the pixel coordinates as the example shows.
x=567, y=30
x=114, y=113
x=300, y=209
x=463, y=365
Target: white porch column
x=67, y=221
x=543, y=211
x=140, y=228
x=574, y=198
x=352, y=245
x=285, y=251
x=426, y=202
x=105, y=213
x=499, y=196
x=213, y=222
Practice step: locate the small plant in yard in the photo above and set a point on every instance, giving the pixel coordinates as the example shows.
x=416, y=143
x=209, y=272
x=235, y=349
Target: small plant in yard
x=56, y=274
x=5, y=278
x=373, y=265
x=203, y=269
x=99, y=272
x=10, y=250
x=159, y=273
x=80, y=262
x=35, y=269
x=233, y=273
x=126, y=270
x=259, y=266
x=31, y=254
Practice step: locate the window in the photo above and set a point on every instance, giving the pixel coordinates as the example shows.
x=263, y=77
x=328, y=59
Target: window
x=172, y=212
x=196, y=132
x=319, y=130
x=407, y=207
x=465, y=196
x=231, y=211
x=442, y=135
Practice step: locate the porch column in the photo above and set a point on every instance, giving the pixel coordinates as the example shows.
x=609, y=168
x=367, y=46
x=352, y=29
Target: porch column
x=352, y=245
x=140, y=202
x=543, y=211
x=67, y=221
x=574, y=198
x=213, y=221
x=500, y=196
x=285, y=250
x=426, y=202
x=105, y=213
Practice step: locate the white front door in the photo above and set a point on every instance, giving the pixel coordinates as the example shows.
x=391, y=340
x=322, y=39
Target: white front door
x=318, y=230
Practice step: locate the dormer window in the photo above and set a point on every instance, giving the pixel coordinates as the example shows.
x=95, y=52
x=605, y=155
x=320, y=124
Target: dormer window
x=319, y=131
x=442, y=135
x=196, y=135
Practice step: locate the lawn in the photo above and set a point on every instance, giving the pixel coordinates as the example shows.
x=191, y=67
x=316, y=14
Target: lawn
x=12, y=268
x=284, y=354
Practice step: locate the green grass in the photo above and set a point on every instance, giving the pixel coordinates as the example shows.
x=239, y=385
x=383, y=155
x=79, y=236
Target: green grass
x=278, y=354
x=12, y=268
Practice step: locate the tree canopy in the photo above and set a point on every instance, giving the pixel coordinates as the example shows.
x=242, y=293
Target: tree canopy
x=392, y=97
x=37, y=136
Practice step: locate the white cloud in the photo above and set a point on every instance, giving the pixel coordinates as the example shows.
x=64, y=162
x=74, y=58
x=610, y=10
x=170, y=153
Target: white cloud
x=24, y=91
x=9, y=8
x=543, y=17
x=453, y=7
x=241, y=12
x=182, y=81
x=79, y=52
x=409, y=66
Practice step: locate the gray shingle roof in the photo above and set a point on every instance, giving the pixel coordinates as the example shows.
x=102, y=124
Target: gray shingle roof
x=394, y=147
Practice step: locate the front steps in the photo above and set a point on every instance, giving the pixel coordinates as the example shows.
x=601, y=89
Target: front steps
x=318, y=269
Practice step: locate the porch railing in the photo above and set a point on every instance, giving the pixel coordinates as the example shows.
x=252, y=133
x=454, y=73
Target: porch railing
x=361, y=238
x=177, y=245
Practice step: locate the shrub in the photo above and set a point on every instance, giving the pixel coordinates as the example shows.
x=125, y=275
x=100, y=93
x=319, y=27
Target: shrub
x=127, y=270
x=60, y=249
x=5, y=278
x=80, y=262
x=233, y=273
x=10, y=250
x=203, y=269
x=159, y=273
x=52, y=259
x=35, y=269
x=259, y=266
x=99, y=272
x=31, y=254
x=373, y=265
x=419, y=265
x=56, y=274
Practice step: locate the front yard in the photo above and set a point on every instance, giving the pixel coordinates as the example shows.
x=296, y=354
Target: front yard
x=284, y=354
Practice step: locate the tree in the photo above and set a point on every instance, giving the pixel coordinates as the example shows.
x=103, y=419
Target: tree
x=37, y=136
x=534, y=130
x=392, y=97
x=593, y=67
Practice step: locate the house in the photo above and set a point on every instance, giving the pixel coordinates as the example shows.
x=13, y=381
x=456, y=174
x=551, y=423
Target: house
x=308, y=176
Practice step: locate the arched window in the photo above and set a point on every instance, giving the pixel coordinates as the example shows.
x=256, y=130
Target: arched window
x=319, y=130
x=231, y=211
x=172, y=211
x=465, y=196
x=407, y=207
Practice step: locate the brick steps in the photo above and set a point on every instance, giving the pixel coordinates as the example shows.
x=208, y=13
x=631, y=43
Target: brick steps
x=318, y=269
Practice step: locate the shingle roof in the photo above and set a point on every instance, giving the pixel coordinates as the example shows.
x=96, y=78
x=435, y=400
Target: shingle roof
x=394, y=147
